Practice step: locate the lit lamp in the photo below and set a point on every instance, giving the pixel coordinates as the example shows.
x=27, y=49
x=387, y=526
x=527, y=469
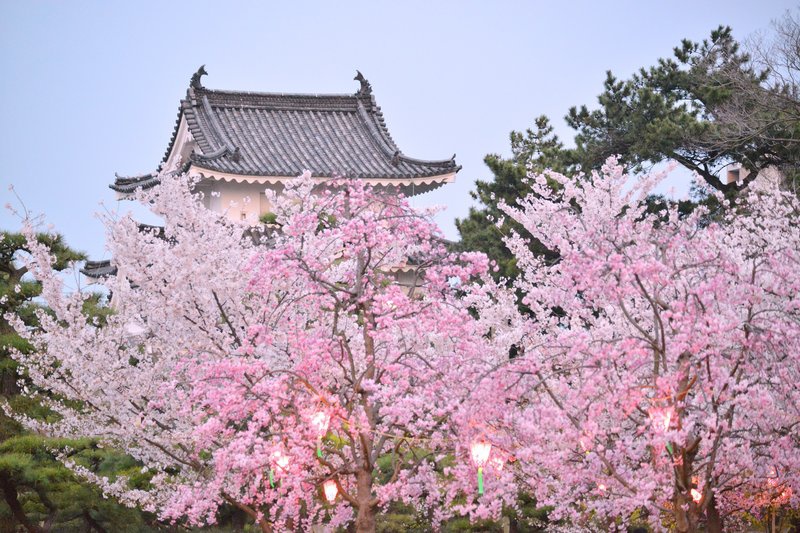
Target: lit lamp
x=696, y=495
x=281, y=462
x=320, y=421
x=661, y=419
x=480, y=454
x=331, y=490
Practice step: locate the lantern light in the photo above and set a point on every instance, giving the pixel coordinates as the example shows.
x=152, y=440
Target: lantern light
x=480, y=454
x=586, y=443
x=320, y=420
x=661, y=418
x=331, y=490
x=696, y=495
x=281, y=461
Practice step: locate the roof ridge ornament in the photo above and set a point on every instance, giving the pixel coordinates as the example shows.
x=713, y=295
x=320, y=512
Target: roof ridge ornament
x=195, y=81
x=366, y=89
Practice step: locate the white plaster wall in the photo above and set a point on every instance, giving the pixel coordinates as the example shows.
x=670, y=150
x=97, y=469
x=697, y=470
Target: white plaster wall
x=238, y=201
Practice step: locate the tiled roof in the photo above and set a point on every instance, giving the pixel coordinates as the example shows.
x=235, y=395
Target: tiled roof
x=276, y=134
x=128, y=184
x=99, y=269
x=104, y=268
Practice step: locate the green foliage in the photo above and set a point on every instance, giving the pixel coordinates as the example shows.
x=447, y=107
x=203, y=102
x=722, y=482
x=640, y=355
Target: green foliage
x=268, y=218
x=47, y=496
x=705, y=107
x=535, y=150
x=50, y=493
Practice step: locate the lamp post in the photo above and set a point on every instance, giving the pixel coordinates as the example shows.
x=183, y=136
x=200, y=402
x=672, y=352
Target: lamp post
x=480, y=454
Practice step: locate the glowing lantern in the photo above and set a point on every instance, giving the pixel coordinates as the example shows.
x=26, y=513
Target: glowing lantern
x=661, y=418
x=320, y=420
x=601, y=487
x=696, y=495
x=331, y=490
x=772, y=477
x=586, y=444
x=281, y=461
x=480, y=454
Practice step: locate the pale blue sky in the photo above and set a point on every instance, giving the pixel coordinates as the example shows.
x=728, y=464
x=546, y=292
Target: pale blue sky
x=90, y=88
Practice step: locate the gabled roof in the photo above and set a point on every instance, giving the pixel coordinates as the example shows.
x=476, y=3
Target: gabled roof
x=282, y=135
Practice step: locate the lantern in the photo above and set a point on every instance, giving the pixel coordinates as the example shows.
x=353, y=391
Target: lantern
x=696, y=495
x=331, y=490
x=320, y=421
x=772, y=477
x=661, y=418
x=281, y=462
x=586, y=443
x=480, y=454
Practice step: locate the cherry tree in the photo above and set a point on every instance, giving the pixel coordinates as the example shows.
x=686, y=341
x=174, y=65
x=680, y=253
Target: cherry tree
x=660, y=358
x=309, y=371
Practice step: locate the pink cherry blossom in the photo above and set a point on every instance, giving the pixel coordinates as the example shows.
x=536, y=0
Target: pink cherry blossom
x=252, y=366
x=661, y=353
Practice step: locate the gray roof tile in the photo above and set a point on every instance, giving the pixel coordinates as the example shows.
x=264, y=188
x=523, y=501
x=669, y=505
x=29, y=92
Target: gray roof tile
x=276, y=134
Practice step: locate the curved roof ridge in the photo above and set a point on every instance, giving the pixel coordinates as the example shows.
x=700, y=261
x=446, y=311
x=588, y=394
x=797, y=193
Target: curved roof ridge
x=247, y=133
x=385, y=144
x=380, y=123
x=146, y=175
x=222, y=137
x=429, y=162
x=269, y=93
x=174, y=136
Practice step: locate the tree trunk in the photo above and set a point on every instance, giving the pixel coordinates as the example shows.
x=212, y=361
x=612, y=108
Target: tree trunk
x=10, y=494
x=8, y=382
x=92, y=523
x=365, y=520
x=685, y=520
x=715, y=523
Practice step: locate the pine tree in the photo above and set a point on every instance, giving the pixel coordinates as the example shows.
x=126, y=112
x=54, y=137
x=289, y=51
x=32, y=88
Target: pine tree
x=37, y=492
x=534, y=150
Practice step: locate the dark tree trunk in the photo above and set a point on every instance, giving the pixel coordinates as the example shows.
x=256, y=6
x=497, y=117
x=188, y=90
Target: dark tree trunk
x=10, y=495
x=715, y=522
x=8, y=382
x=92, y=523
x=365, y=520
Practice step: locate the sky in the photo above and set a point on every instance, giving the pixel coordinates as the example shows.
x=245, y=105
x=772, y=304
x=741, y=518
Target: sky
x=88, y=89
